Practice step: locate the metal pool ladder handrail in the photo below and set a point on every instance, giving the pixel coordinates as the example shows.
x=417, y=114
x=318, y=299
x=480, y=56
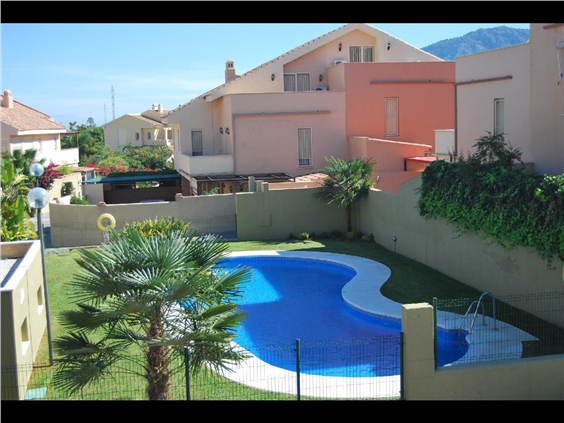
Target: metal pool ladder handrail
x=478, y=304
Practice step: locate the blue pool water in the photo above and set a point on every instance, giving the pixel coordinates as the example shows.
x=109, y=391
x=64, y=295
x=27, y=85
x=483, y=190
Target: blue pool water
x=291, y=299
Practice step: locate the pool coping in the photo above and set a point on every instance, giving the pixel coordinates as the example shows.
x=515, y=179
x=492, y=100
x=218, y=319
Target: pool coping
x=362, y=292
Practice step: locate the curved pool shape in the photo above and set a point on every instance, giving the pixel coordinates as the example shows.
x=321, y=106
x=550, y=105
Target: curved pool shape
x=318, y=298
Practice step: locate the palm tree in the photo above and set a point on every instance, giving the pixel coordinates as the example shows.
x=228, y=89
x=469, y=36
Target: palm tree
x=143, y=300
x=346, y=182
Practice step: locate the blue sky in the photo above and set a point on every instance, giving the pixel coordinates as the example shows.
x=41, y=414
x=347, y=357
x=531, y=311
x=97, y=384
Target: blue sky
x=67, y=70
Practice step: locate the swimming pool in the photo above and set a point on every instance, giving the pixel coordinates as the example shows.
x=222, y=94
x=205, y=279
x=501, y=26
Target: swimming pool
x=321, y=296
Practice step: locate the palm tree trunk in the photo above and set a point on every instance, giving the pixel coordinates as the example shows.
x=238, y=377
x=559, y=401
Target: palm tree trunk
x=349, y=218
x=158, y=362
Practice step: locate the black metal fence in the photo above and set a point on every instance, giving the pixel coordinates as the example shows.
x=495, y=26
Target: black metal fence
x=510, y=327
x=357, y=369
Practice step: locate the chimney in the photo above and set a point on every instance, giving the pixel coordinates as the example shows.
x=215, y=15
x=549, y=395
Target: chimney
x=8, y=100
x=160, y=108
x=230, y=71
x=154, y=106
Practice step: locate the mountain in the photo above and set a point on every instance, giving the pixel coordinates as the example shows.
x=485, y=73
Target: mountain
x=476, y=41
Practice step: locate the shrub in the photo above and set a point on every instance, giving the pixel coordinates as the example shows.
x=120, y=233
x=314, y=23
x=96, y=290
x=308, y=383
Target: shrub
x=325, y=235
x=302, y=236
x=487, y=194
x=66, y=189
x=350, y=236
x=368, y=238
x=336, y=234
x=77, y=200
x=158, y=226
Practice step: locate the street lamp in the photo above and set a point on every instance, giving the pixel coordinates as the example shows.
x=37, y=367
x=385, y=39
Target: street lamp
x=38, y=198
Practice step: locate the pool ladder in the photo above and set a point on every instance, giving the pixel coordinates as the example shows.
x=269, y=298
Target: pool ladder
x=479, y=303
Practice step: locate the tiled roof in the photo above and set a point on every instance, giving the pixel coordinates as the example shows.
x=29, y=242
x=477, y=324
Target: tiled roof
x=255, y=69
x=24, y=118
x=145, y=119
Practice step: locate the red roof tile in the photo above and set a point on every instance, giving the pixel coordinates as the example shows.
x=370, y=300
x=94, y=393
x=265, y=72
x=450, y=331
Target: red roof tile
x=24, y=118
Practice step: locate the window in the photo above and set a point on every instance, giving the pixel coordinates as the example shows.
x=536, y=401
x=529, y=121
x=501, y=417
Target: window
x=40, y=300
x=361, y=54
x=137, y=136
x=197, y=143
x=148, y=136
x=499, y=117
x=297, y=82
x=25, y=337
x=392, y=117
x=304, y=147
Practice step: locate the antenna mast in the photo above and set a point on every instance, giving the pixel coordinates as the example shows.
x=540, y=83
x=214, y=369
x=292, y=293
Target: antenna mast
x=113, y=105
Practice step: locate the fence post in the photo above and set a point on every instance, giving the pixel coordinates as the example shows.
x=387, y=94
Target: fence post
x=298, y=368
x=187, y=372
x=402, y=368
x=435, y=329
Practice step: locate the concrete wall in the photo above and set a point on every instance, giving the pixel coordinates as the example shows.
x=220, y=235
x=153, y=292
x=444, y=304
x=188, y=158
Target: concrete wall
x=539, y=378
x=469, y=259
x=23, y=313
x=55, y=191
x=273, y=214
x=547, y=99
x=76, y=225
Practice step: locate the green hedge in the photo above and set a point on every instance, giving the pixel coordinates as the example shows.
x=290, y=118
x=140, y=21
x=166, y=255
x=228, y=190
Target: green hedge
x=510, y=206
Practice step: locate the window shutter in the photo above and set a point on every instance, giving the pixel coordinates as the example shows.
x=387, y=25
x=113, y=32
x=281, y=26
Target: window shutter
x=499, y=117
x=290, y=82
x=368, y=54
x=303, y=82
x=197, y=143
x=304, y=147
x=356, y=54
x=392, y=117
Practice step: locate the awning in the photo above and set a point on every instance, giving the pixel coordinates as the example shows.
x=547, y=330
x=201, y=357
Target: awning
x=141, y=178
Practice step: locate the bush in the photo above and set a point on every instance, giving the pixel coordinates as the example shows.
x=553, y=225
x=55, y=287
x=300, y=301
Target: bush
x=77, y=200
x=66, y=189
x=158, y=226
x=368, y=238
x=325, y=235
x=350, y=236
x=302, y=236
x=487, y=194
x=336, y=234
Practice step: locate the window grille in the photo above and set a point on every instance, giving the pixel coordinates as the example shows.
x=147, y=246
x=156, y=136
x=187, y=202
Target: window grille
x=304, y=147
x=197, y=143
x=392, y=117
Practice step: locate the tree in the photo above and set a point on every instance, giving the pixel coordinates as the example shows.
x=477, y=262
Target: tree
x=150, y=292
x=14, y=205
x=346, y=182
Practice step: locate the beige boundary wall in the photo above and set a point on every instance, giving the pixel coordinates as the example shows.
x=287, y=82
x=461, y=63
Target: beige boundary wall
x=76, y=225
x=539, y=378
x=468, y=258
x=273, y=214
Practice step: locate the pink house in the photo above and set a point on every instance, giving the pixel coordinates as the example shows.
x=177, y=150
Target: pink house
x=351, y=92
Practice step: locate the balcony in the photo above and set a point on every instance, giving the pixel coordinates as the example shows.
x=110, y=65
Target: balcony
x=59, y=157
x=204, y=165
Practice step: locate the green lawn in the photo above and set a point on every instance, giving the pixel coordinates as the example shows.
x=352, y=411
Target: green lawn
x=410, y=282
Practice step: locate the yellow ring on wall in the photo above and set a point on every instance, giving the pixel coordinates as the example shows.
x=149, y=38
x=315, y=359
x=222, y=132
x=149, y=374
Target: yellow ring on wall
x=111, y=225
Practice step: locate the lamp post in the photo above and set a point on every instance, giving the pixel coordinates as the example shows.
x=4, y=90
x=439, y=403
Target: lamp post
x=38, y=198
